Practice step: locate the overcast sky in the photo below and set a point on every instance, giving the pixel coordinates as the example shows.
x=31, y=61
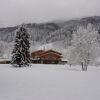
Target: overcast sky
x=13, y=12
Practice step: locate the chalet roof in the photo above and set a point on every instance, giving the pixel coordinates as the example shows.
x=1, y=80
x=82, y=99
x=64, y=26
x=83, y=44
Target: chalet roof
x=45, y=53
x=37, y=53
x=53, y=51
x=41, y=53
x=5, y=59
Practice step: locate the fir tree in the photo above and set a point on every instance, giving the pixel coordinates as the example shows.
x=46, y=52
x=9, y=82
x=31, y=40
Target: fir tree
x=21, y=52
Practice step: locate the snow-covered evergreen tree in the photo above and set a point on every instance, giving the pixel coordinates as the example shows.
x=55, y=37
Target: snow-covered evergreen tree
x=21, y=52
x=84, y=46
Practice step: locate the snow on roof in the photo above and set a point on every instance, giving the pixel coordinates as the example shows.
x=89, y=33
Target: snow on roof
x=3, y=59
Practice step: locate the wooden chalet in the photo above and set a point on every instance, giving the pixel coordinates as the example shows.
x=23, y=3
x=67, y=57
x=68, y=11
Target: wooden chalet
x=46, y=57
x=5, y=61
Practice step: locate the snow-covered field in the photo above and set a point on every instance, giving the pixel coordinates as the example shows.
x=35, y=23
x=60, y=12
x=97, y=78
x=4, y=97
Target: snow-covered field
x=49, y=82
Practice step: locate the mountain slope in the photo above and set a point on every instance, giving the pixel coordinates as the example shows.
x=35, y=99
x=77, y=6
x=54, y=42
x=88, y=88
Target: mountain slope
x=65, y=33
x=37, y=31
x=51, y=32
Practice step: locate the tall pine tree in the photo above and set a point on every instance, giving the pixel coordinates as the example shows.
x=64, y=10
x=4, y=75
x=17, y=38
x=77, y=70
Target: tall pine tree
x=21, y=52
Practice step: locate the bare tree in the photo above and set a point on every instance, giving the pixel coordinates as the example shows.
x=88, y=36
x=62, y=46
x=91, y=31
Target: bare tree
x=84, y=44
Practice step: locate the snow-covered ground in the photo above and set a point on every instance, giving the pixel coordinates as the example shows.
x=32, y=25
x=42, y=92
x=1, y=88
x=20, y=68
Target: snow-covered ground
x=49, y=82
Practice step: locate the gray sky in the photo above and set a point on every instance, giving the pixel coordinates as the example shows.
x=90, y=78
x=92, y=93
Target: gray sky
x=13, y=12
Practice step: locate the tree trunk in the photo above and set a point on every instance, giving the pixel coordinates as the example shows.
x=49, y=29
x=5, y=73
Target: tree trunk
x=82, y=66
x=19, y=65
x=85, y=67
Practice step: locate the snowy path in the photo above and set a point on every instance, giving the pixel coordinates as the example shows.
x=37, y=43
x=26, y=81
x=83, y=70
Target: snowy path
x=49, y=82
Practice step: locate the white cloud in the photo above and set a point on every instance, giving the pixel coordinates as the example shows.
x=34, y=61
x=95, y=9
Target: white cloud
x=14, y=12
